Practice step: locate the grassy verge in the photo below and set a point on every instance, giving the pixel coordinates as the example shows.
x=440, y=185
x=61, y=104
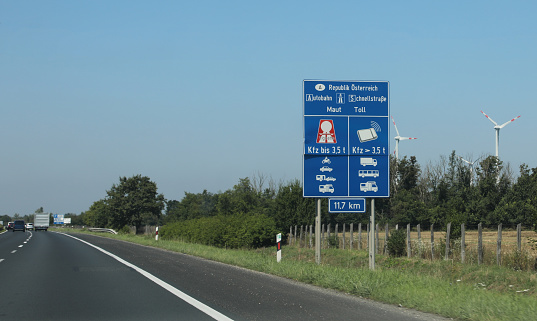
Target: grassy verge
x=447, y=288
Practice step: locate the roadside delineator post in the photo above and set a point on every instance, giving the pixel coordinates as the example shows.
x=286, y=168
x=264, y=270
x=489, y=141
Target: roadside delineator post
x=279, y=249
x=156, y=235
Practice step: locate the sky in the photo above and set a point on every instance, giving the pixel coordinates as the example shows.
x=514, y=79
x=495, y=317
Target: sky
x=198, y=94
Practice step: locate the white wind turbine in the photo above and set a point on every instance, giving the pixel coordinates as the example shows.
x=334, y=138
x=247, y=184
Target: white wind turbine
x=397, y=139
x=497, y=128
x=471, y=169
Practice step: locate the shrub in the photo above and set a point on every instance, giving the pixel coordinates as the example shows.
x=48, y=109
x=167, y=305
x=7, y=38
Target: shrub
x=235, y=231
x=396, y=243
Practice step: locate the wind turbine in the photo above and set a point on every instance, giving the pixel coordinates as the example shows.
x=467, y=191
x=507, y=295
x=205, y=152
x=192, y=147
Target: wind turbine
x=497, y=128
x=471, y=168
x=397, y=139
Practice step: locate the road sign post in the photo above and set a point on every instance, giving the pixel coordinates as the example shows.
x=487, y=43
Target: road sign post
x=346, y=142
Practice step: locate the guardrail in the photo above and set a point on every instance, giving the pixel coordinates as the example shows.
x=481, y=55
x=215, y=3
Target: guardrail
x=104, y=230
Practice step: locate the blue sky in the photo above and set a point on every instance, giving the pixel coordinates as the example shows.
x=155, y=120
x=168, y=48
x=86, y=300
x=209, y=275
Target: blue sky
x=197, y=94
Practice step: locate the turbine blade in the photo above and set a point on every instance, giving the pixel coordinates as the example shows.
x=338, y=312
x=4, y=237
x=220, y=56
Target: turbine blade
x=512, y=120
x=395, y=126
x=489, y=118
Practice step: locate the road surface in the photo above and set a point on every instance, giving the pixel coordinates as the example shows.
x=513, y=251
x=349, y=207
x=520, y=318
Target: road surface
x=53, y=276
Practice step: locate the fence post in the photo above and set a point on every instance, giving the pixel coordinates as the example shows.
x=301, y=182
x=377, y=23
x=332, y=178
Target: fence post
x=519, y=236
x=499, y=246
x=311, y=236
x=300, y=238
x=408, y=248
x=290, y=240
x=336, y=235
x=480, y=244
x=343, y=235
x=368, y=238
x=359, y=236
x=432, y=241
x=446, y=256
x=463, y=245
x=418, y=227
x=377, y=238
x=328, y=235
x=322, y=239
x=296, y=239
x=386, y=236
x=352, y=237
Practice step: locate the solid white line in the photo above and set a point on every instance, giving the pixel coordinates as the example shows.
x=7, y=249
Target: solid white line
x=190, y=300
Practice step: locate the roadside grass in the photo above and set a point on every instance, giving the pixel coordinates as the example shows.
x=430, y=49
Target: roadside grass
x=447, y=288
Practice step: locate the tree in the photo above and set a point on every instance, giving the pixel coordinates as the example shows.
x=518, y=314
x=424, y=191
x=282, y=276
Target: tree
x=134, y=201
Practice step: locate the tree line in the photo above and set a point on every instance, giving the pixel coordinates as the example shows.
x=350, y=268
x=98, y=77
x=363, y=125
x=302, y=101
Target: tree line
x=448, y=191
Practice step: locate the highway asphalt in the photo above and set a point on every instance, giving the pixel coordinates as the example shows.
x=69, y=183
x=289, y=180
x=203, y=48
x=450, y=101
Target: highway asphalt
x=52, y=276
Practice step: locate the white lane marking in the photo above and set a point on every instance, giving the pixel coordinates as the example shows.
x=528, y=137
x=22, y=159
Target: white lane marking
x=190, y=300
x=21, y=245
x=13, y=251
x=1, y=260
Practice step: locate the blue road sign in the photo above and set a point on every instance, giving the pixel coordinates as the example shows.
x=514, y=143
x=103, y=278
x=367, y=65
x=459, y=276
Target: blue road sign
x=346, y=205
x=346, y=139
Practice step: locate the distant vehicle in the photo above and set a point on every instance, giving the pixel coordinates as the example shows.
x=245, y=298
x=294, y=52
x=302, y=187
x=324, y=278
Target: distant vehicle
x=19, y=225
x=30, y=226
x=364, y=161
x=328, y=188
x=369, y=187
x=325, y=169
x=9, y=226
x=368, y=173
x=41, y=221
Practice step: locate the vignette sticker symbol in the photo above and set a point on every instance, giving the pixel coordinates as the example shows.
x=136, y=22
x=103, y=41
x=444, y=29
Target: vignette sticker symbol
x=326, y=133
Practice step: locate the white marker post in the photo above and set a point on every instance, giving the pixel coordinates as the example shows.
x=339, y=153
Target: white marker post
x=156, y=235
x=279, y=250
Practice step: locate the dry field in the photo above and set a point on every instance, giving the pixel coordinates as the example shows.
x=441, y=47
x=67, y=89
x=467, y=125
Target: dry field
x=490, y=238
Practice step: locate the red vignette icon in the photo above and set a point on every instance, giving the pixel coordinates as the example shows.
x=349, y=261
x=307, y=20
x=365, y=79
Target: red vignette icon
x=326, y=133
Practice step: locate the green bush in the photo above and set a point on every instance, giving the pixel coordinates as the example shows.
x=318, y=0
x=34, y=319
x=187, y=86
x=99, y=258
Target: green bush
x=235, y=231
x=397, y=243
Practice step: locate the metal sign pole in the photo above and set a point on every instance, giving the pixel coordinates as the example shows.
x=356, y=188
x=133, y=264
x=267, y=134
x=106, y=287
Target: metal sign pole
x=318, y=233
x=372, y=236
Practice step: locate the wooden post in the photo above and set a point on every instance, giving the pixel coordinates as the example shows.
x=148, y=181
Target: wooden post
x=300, y=236
x=351, y=241
x=463, y=245
x=359, y=236
x=290, y=240
x=519, y=236
x=408, y=248
x=322, y=238
x=432, y=241
x=295, y=238
x=386, y=236
x=480, y=244
x=311, y=235
x=336, y=236
x=499, y=246
x=376, y=238
x=343, y=235
x=419, y=240
x=328, y=236
x=368, y=238
x=446, y=256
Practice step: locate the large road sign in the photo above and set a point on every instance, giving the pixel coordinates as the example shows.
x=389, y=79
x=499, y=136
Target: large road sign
x=346, y=138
